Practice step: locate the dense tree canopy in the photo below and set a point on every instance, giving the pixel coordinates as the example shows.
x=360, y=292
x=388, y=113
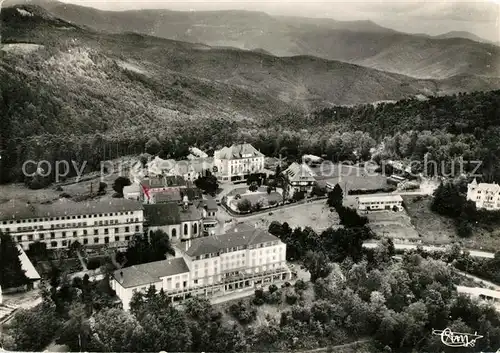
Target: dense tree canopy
x=11, y=272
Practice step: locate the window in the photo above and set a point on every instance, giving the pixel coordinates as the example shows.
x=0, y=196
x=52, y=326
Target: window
x=85, y=232
x=64, y=234
x=52, y=235
x=42, y=236
x=96, y=240
x=137, y=228
x=117, y=230
x=53, y=244
x=65, y=243
x=106, y=231
x=174, y=233
x=117, y=238
x=127, y=229
x=127, y=238
x=185, y=229
x=75, y=234
x=195, y=228
x=96, y=231
x=19, y=238
x=30, y=237
x=106, y=240
x=85, y=241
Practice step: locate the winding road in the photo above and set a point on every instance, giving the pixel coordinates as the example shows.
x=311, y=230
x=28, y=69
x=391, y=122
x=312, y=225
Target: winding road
x=474, y=253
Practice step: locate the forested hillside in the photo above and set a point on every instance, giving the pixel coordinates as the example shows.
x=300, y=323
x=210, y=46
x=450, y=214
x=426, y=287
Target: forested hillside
x=68, y=93
x=446, y=128
x=358, y=42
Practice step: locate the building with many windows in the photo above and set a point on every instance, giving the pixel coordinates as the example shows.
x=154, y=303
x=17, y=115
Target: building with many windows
x=486, y=196
x=237, y=162
x=380, y=202
x=110, y=222
x=209, y=266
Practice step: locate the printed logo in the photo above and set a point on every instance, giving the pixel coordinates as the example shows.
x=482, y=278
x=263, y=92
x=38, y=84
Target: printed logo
x=457, y=339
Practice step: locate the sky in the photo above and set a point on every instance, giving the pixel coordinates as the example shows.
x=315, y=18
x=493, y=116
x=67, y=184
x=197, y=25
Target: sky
x=413, y=16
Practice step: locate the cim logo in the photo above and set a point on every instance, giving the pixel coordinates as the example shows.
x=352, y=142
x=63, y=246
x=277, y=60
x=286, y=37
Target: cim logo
x=457, y=339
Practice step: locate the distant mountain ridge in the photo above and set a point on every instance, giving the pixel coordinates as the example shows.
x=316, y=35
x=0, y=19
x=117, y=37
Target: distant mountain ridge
x=104, y=82
x=464, y=35
x=358, y=42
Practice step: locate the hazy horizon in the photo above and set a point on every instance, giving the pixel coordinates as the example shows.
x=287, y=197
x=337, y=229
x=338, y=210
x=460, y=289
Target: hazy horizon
x=428, y=17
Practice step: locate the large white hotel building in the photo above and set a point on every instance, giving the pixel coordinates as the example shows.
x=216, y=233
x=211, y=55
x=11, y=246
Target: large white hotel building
x=209, y=266
x=58, y=224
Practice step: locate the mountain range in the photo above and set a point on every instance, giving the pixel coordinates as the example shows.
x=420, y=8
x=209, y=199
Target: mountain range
x=357, y=42
x=67, y=87
x=149, y=75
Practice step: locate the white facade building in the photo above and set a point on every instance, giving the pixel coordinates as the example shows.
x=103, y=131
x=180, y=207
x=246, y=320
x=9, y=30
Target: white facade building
x=237, y=162
x=209, y=266
x=59, y=224
x=196, y=153
x=382, y=202
x=299, y=178
x=485, y=196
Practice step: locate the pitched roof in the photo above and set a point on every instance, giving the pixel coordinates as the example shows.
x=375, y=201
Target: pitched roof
x=170, y=213
x=193, y=193
x=150, y=273
x=190, y=214
x=299, y=172
x=162, y=197
x=197, y=152
x=164, y=182
x=209, y=204
x=488, y=187
x=381, y=198
x=27, y=265
x=162, y=214
x=245, y=150
x=216, y=243
x=15, y=209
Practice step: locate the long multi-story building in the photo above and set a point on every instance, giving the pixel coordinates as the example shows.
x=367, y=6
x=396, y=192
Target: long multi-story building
x=486, y=196
x=380, y=202
x=107, y=222
x=238, y=162
x=209, y=266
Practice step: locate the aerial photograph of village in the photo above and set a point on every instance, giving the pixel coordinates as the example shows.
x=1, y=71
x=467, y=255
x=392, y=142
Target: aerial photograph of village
x=245, y=176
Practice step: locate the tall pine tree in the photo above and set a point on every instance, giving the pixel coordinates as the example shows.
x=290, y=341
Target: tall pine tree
x=11, y=273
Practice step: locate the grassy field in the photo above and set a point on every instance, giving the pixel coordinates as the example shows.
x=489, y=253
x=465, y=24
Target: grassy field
x=396, y=225
x=437, y=229
x=315, y=215
x=72, y=186
x=351, y=176
x=432, y=227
